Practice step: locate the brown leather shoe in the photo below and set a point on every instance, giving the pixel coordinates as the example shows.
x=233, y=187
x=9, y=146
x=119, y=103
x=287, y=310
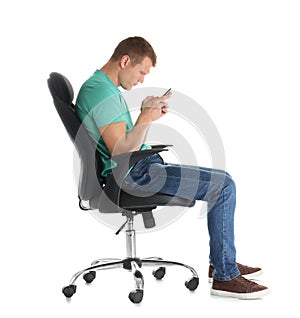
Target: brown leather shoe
x=247, y=271
x=239, y=287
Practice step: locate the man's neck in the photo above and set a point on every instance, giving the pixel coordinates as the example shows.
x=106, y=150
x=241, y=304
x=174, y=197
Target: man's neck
x=111, y=70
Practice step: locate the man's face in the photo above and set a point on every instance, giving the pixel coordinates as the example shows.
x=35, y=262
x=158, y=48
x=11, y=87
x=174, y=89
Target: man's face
x=132, y=75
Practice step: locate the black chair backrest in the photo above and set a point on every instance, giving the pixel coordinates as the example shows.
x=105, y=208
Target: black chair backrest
x=90, y=180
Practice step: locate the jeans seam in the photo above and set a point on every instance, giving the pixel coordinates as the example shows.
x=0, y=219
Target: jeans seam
x=174, y=177
x=224, y=232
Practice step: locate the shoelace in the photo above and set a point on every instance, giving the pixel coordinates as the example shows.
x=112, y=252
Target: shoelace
x=249, y=285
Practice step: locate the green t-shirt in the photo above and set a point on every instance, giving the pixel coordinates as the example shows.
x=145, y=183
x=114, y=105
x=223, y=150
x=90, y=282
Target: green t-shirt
x=99, y=103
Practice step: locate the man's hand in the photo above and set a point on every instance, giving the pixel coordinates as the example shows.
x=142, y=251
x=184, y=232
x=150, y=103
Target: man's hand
x=154, y=108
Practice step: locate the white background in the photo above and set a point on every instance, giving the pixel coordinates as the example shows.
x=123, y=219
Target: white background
x=240, y=61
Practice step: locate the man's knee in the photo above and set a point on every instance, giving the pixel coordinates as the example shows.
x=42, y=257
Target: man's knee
x=229, y=184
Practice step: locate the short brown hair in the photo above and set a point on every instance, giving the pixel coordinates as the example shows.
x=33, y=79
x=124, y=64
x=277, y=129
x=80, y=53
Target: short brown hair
x=137, y=48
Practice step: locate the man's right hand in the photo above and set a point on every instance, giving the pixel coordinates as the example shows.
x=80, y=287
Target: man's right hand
x=155, y=107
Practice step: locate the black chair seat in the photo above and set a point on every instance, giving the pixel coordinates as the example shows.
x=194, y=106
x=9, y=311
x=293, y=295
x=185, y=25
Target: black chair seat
x=129, y=202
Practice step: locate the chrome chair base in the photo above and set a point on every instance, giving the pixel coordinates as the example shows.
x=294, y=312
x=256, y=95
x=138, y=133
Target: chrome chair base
x=133, y=264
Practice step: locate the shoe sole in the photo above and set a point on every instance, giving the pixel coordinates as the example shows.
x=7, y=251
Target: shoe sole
x=249, y=276
x=254, y=295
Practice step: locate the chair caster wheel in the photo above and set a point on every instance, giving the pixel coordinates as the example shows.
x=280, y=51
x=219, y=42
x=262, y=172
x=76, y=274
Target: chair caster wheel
x=89, y=277
x=136, y=296
x=192, y=284
x=159, y=273
x=69, y=291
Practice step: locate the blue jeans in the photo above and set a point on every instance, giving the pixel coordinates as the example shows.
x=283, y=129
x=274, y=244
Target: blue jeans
x=216, y=187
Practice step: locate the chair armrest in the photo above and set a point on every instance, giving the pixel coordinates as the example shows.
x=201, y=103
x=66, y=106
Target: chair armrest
x=160, y=146
x=124, y=161
x=133, y=157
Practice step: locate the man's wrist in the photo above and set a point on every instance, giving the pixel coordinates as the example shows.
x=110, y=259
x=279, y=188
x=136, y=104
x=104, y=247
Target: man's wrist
x=144, y=119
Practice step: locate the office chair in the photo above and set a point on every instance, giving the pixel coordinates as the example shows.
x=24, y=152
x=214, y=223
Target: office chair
x=106, y=196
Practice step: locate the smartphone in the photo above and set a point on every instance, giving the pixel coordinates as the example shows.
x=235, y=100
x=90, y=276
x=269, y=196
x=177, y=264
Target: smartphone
x=169, y=90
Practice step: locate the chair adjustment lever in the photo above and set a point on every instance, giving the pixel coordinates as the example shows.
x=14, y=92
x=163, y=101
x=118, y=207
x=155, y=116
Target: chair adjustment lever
x=122, y=227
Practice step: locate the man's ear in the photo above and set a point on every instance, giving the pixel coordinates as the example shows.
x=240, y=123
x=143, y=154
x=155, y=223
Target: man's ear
x=124, y=61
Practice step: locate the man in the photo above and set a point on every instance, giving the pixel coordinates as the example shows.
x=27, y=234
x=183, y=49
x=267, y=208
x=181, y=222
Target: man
x=105, y=114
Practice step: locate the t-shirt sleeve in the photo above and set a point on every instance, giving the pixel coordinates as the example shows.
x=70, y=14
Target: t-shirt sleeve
x=108, y=111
